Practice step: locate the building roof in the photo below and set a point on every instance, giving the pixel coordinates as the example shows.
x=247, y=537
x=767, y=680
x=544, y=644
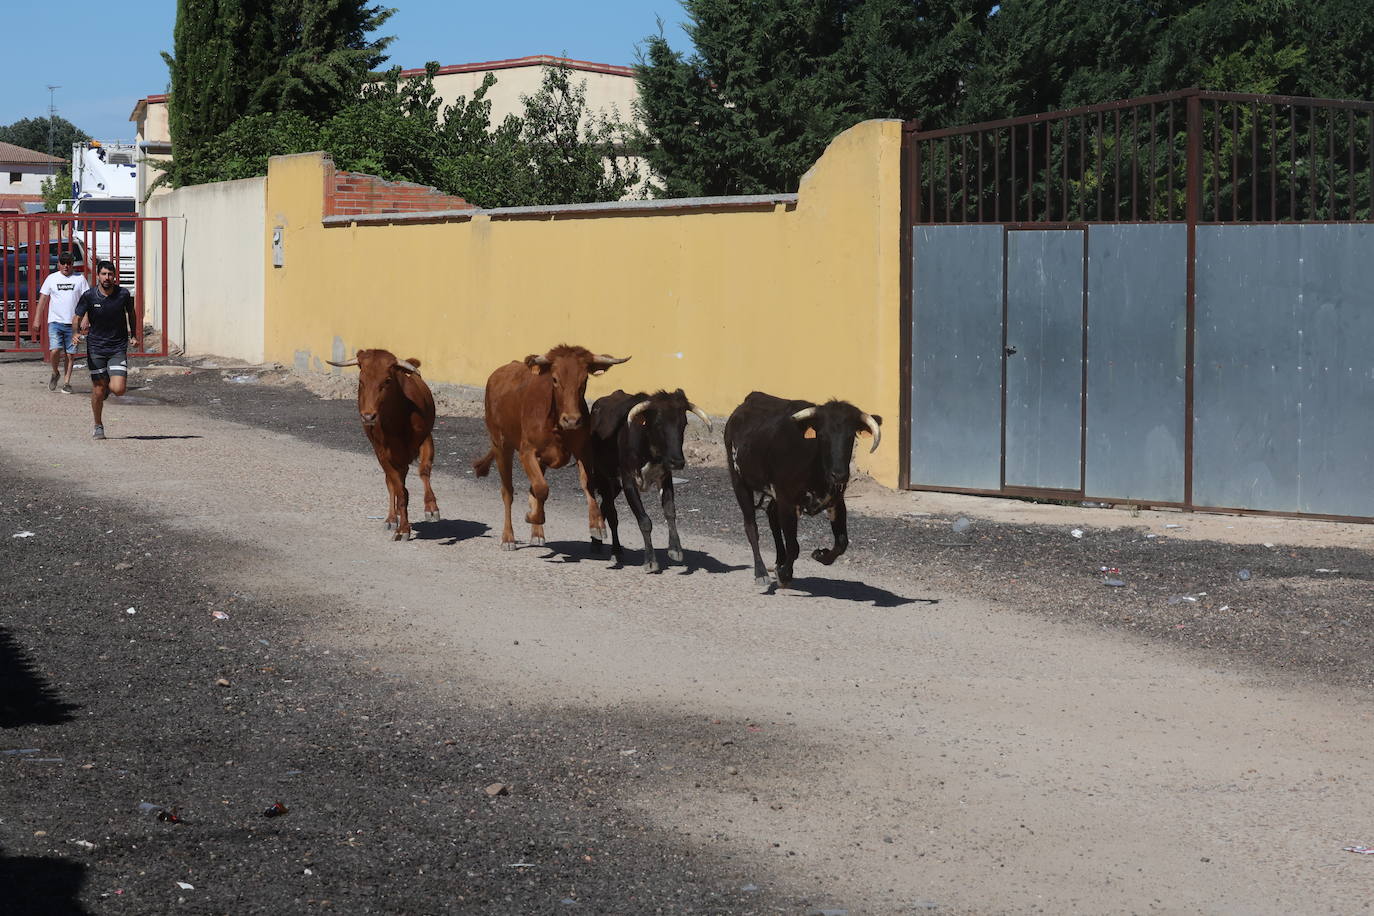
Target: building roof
x=9, y=153
x=535, y=60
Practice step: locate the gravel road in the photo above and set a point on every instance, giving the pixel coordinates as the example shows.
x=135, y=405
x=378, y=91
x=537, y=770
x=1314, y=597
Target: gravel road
x=948, y=722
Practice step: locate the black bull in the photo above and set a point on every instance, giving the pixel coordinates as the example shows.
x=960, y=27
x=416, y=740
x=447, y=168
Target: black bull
x=792, y=457
x=637, y=442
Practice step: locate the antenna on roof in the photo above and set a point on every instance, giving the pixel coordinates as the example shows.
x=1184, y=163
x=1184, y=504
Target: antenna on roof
x=52, y=115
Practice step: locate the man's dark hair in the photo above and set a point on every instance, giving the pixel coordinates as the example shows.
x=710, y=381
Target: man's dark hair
x=64, y=258
x=105, y=265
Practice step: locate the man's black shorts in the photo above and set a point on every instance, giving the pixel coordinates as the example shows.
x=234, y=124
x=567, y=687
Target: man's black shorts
x=104, y=365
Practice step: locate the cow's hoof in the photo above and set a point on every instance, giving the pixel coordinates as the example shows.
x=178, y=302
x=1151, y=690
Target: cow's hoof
x=762, y=583
x=596, y=547
x=507, y=545
x=410, y=535
x=396, y=535
x=536, y=542
x=675, y=554
x=390, y=526
x=821, y=555
x=432, y=516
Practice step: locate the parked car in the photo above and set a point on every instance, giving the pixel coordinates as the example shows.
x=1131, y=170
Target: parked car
x=15, y=277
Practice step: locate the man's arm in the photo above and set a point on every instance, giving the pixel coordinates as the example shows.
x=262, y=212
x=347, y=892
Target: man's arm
x=131, y=314
x=39, y=318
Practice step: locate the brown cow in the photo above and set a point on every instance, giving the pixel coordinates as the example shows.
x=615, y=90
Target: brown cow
x=539, y=407
x=397, y=410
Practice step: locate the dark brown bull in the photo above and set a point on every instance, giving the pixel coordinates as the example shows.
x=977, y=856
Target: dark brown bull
x=539, y=408
x=397, y=410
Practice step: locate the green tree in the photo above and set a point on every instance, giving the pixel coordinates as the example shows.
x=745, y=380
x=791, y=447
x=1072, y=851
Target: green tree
x=233, y=58
x=32, y=133
x=772, y=82
x=574, y=155
x=55, y=189
x=323, y=53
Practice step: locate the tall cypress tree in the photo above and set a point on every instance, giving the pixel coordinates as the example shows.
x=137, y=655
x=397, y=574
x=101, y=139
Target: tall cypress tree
x=323, y=53
x=233, y=58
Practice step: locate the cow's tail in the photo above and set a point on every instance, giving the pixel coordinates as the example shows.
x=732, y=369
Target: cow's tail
x=482, y=466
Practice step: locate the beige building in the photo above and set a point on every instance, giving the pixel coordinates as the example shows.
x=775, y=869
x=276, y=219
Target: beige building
x=611, y=91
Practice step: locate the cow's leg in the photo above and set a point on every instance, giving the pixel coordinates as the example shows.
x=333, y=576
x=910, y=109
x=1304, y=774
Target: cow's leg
x=786, y=522
x=779, y=545
x=504, y=466
x=400, y=500
x=670, y=516
x=839, y=527
x=596, y=523
x=751, y=526
x=646, y=525
x=539, y=492
x=610, y=488
x=426, y=467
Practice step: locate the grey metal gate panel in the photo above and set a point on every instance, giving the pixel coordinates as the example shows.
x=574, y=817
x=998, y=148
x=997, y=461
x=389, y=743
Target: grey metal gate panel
x=1044, y=413
x=956, y=357
x=1137, y=362
x=1284, y=379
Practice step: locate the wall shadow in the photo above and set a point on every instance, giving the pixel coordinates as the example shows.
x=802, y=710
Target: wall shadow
x=25, y=698
x=849, y=590
x=42, y=886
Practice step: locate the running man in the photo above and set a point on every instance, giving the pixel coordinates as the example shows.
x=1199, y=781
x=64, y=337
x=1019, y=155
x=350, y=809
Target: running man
x=56, y=306
x=107, y=317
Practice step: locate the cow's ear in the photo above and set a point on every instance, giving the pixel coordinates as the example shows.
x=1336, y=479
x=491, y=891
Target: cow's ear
x=809, y=432
x=536, y=363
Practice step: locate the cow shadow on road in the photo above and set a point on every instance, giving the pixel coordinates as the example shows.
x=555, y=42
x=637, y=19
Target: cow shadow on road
x=449, y=530
x=849, y=590
x=692, y=560
x=156, y=438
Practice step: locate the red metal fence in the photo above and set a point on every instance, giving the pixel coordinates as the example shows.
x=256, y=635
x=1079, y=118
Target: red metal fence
x=1208, y=157
x=29, y=249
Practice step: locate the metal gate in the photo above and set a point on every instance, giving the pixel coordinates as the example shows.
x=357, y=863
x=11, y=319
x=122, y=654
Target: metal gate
x=29, y=249
x=1163, y=301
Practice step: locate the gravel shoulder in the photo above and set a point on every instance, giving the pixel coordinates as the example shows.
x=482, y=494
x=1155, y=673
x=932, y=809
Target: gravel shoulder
x=985, y=728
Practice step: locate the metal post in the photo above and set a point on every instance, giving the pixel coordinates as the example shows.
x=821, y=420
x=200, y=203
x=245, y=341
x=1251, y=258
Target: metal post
x=1193, y=192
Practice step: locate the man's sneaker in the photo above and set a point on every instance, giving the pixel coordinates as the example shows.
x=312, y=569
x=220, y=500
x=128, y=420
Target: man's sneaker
x=52, y=381
x=98, y=433
x=67, y=388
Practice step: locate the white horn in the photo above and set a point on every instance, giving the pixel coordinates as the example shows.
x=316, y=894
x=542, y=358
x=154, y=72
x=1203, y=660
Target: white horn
x=701, y=415
x=805, y=414
x=876, y=430
x=402, y=364
x=636, y=411
x=539, y=360
x=609, y=360
x=351, y=362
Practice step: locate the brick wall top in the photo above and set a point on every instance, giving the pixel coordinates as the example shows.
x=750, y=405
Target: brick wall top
x=356, y=194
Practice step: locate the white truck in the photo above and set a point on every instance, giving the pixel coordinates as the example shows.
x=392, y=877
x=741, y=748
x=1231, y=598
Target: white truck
x=105, y=181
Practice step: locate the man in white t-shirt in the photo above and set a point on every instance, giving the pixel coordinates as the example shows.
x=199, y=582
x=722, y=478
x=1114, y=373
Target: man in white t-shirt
x=57, y=305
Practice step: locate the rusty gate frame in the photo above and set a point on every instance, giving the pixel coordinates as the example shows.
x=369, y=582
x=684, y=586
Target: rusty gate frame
x=34, y=233
x=1193, y=161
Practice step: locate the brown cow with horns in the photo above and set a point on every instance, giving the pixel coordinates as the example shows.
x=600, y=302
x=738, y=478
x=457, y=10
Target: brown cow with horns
x=538, y=406
x=397, y=410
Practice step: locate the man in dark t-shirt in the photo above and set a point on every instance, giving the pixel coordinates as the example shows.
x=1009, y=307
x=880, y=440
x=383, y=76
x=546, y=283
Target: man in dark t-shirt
x=106, y=316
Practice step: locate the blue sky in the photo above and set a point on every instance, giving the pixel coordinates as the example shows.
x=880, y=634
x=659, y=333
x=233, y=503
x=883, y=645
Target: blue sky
x=113, y=59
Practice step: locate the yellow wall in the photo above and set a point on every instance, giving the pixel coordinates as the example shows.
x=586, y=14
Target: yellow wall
x=801, y=303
